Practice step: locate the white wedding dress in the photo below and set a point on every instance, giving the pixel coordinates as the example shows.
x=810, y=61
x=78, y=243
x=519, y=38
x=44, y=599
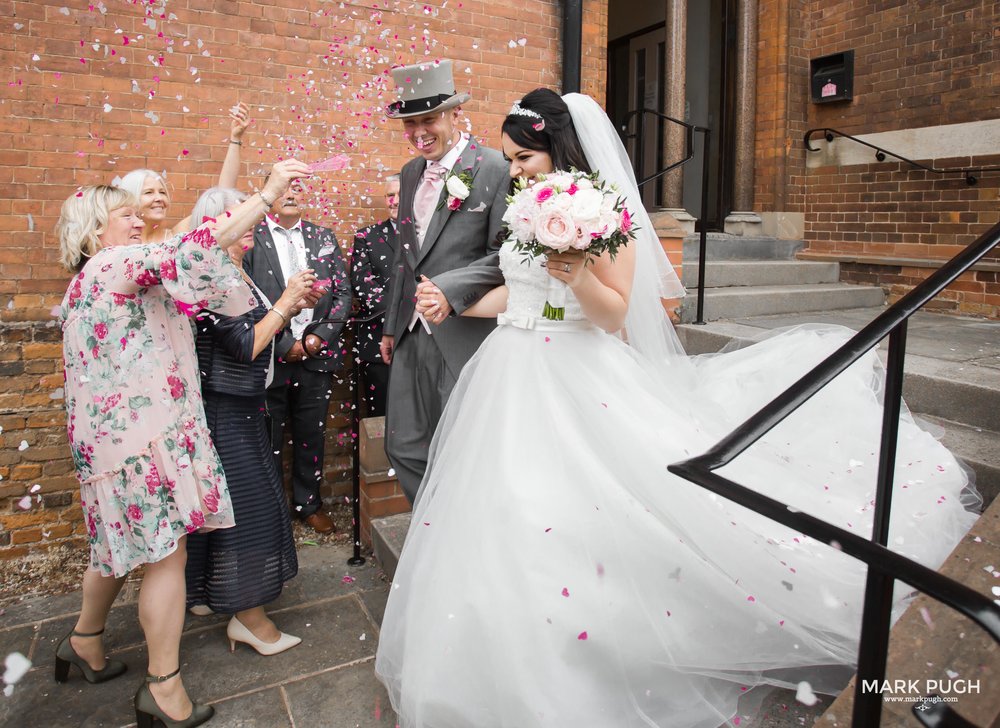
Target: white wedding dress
x=556, y=574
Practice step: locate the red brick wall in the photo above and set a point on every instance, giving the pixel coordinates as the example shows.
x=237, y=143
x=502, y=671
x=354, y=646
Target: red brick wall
x=79, y=104
x=916, y=65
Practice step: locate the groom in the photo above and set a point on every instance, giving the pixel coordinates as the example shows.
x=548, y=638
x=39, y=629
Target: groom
x=452, y=201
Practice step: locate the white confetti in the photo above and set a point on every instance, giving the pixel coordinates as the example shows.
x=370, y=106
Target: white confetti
x=951, y=673
x=64, y=11
x=35, y=488
x=23, y=446
x=805, y=695
x=362, y=637
x=15, y=667
x=25, y=503
x=107, y=108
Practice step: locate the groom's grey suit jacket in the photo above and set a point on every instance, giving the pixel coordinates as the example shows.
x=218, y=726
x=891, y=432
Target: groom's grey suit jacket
x=459, y=253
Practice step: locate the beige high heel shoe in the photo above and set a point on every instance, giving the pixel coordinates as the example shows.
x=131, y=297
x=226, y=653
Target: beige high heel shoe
x=237, y=632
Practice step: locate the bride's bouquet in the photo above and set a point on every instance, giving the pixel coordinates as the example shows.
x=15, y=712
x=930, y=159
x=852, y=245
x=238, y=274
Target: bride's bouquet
x=567, y=211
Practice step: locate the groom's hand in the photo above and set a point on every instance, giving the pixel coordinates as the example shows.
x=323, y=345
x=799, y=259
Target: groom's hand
x=431, y=302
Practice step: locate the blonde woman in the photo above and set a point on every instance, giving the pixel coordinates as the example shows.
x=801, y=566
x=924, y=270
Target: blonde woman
x=151, y=190
x=149, y=474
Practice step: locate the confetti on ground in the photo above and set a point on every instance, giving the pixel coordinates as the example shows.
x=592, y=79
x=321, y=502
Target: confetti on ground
x=16, y=666
x=805, y=695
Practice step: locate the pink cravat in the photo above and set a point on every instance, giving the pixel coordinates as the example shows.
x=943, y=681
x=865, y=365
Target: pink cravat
x=426, y=198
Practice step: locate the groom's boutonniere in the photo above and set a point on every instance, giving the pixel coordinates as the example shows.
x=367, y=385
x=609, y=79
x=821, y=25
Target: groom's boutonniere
x=459, y=185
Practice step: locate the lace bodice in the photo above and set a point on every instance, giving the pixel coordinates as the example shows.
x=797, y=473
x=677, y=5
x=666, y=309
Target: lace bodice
x=528, y=285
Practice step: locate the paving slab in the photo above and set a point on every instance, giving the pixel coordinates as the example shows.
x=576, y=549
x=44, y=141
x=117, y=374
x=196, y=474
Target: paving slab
x=331, y=635
x=374, y=601
x=262, y=709
x=343, y=698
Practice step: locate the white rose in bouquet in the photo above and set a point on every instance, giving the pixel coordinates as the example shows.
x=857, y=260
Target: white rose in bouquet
x=520, y=218
x=587, y=205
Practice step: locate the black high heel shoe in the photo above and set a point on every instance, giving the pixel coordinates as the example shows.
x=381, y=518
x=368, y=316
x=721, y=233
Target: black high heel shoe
x=147, y=710
x=66, y=656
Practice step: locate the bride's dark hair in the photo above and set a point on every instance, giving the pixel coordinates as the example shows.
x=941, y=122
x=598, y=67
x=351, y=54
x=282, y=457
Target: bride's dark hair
x=556, y=137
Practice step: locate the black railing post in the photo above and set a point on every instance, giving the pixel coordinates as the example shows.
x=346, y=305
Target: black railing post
x=876, y=620
x=357, y=559
x=703, y=233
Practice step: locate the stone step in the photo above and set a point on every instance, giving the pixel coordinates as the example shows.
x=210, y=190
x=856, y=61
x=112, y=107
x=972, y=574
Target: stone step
x=969, y=395
x=932, y=642
x=976, y=447
x=721, y=274
x=720, y=246
x=723, y=303
x=388, y=535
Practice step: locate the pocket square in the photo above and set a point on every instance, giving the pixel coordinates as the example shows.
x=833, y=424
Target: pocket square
x=326, y=250
x=481, y=207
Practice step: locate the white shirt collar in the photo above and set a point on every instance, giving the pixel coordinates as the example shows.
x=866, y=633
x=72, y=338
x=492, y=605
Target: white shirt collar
x=448, y=160
x=273, y=224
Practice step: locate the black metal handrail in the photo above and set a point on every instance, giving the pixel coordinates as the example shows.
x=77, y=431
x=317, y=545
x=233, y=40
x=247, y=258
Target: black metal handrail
x=881, y=154
x=690, y=130
x=884, y=566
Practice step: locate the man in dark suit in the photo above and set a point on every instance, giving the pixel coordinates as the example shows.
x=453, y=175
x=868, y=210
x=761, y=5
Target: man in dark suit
x=371, y=263
x=308, y=350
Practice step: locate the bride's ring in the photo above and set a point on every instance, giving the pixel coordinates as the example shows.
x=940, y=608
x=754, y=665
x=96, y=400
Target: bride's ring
x=567, y=267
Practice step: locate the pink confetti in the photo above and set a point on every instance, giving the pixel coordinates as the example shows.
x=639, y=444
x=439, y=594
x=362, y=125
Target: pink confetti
x=565, y=592
x=348, y=579
x=926, y=616
x=333, y=164
x=582, y=636
x=547, y=339
x=751, y=598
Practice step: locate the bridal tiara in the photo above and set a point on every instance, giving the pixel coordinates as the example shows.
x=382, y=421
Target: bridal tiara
x=518, y=110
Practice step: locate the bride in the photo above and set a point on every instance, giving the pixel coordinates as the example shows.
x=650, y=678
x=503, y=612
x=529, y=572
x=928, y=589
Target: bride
x=556, y=574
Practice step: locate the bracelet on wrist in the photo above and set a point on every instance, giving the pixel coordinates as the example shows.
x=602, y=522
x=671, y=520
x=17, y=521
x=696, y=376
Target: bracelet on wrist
x=264, y=200
x=284, y=316
x=236, y=142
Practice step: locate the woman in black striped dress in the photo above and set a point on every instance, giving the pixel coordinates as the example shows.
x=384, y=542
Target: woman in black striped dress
x=239, y=570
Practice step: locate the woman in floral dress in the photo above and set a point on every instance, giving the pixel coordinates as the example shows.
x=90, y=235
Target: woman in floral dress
x=149, y=474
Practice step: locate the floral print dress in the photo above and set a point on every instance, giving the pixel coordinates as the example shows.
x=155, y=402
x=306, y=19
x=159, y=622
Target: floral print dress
x=148, y=471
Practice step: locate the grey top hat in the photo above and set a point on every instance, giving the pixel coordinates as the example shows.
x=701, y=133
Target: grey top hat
x=424, y=88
